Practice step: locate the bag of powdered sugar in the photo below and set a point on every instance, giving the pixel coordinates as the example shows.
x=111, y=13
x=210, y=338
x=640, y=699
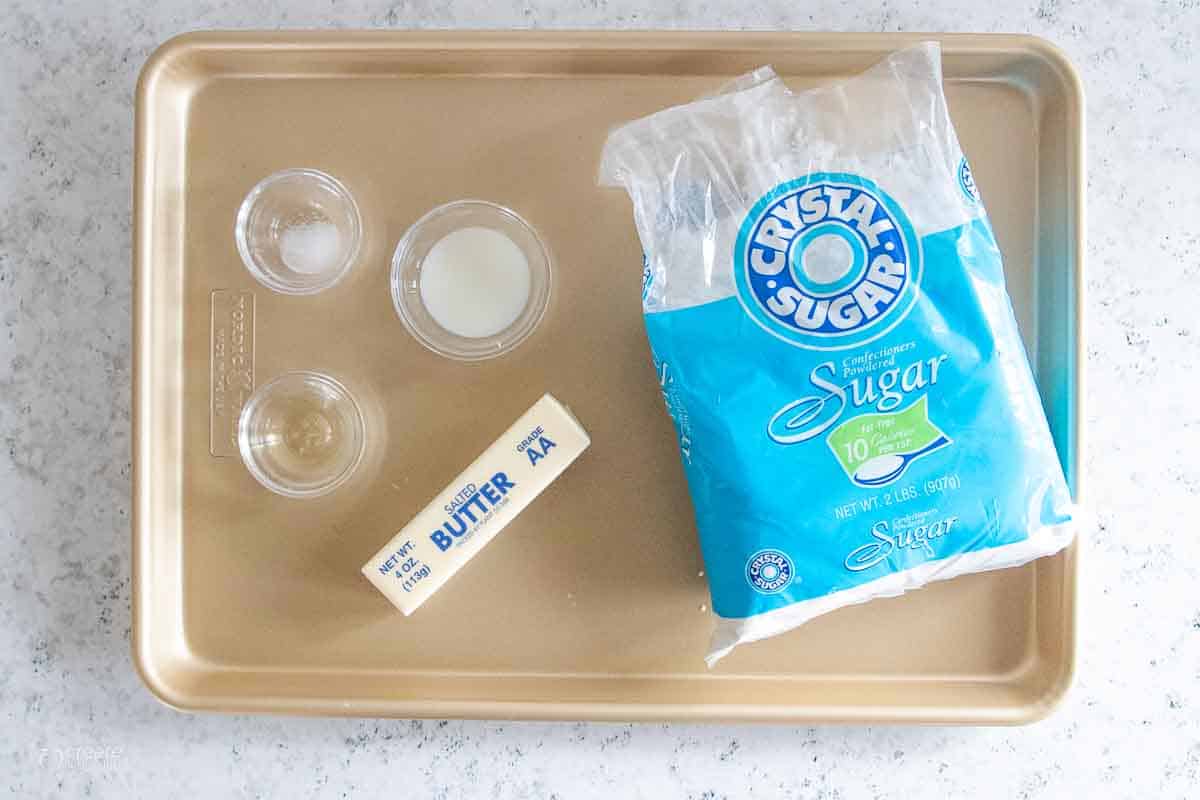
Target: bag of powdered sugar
x=826, y=309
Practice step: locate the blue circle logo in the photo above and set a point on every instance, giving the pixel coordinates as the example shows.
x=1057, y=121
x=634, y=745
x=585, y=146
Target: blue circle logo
x=769, y=571
x=827, y=261
x=966, y=181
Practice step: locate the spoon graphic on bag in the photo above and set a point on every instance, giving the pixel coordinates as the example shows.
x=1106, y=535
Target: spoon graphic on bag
x=886, y=468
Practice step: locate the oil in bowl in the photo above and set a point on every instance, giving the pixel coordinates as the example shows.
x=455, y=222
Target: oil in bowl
x=302, y=434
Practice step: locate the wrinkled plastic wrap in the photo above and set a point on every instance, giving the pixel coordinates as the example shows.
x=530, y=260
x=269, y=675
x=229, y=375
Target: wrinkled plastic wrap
x=826, y=309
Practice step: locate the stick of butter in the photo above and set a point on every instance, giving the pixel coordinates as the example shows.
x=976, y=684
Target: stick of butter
x=477, y=504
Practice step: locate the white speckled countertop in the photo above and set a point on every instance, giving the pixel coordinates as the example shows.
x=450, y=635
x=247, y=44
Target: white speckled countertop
x=75, y=721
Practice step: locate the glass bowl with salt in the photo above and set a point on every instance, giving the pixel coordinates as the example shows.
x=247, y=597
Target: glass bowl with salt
x=298, y=231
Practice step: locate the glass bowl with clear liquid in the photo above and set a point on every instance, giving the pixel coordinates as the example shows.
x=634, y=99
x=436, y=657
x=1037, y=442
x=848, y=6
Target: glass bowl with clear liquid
x=302, y=434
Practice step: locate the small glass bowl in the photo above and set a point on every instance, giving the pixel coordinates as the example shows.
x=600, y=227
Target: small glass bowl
x=298, y=231
x=302, y=434
x=431, y=229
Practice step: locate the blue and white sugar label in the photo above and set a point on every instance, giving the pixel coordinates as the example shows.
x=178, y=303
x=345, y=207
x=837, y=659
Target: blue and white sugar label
x=477, y=504
x=828, y=261
x=770, y=571
x=832, y=335
x=966, y=181
x=871, y=416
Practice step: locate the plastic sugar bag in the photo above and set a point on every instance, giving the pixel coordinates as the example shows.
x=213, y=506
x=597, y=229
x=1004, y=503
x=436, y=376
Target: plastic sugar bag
x=826, y=309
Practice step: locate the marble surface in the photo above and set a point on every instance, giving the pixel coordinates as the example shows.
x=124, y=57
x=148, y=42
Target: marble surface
x=74, y=720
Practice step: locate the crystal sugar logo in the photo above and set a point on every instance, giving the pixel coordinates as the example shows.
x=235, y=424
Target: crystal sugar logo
x=966, y=181
x=827, y=261
x=769, y=571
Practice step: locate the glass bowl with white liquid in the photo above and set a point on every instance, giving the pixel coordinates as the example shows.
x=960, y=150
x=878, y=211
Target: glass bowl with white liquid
x=298, y=231
x=471, y=280
x=302, y=434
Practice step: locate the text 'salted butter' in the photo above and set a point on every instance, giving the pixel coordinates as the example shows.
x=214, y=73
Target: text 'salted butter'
x=477, y=504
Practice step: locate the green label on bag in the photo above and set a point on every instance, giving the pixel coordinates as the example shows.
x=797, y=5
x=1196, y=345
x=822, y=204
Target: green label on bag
x=871, y=447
